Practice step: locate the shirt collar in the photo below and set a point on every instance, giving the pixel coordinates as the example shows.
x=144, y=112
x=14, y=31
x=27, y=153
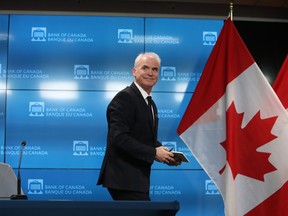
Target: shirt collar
x=142, y=91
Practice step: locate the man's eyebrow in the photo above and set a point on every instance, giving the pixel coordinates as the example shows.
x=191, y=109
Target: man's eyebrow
x=153, y=68
x=145, y=66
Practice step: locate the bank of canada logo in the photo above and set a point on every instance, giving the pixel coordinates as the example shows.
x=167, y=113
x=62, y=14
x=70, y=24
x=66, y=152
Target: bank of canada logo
x=170, y=145
x=36, y=109
x=125, y=35
x=80, y=148
x=209, y=38
x=38, y=34
x=210, y=188
x=81, y=72
x=168, y=73
x=35, y=186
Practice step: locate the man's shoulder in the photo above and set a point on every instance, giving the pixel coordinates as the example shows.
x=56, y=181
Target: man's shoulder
x=126, y=92
x=132, y=90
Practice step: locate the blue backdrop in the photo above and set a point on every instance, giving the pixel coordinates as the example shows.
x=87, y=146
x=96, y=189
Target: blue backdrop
x=57, y=76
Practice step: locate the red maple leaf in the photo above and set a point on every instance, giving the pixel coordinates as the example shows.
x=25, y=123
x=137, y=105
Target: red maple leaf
x=241, y=144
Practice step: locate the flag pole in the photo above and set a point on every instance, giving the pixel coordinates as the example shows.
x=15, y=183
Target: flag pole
x=231, y=10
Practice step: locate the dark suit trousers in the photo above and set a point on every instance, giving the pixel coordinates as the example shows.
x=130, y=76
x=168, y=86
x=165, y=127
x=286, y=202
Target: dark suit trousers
x=128, y=195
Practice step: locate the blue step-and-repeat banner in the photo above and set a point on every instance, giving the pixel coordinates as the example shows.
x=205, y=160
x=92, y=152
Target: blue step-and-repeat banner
x=57, y=76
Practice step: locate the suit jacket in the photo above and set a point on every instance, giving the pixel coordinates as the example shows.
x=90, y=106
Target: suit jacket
x=131, y=142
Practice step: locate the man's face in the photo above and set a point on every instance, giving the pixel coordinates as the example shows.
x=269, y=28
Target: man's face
x=146, y=72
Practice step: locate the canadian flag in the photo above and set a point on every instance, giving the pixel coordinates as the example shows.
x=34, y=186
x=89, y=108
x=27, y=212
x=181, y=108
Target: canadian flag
x=281, y=82
x=237, y=129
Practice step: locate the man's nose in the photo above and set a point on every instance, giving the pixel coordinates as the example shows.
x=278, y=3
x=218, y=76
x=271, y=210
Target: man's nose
x=150, y=71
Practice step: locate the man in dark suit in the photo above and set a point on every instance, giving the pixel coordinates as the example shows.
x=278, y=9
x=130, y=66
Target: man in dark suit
x=132, y=144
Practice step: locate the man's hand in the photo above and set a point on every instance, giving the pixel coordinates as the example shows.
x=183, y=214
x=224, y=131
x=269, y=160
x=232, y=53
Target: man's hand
x=165, y=156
